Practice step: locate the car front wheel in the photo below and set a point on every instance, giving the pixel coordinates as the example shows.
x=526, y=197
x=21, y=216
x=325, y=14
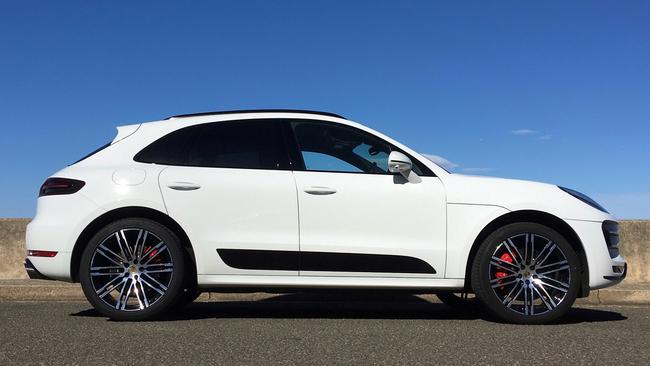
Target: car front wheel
x=132, y=269
x=526, y=273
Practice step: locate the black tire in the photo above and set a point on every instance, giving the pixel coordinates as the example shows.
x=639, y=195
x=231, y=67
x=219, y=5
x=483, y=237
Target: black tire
x=536, y=302
x=150, y=265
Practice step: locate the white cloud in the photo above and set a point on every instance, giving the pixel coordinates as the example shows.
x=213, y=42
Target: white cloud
x=441, y=161
x=476, y=170
x=545, y=137
x=448, y=165
x=523, y=131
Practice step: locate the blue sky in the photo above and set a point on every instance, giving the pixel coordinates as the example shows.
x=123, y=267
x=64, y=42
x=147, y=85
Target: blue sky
x=552, y=91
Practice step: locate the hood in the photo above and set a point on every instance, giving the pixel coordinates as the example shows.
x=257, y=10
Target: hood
x=515, y=195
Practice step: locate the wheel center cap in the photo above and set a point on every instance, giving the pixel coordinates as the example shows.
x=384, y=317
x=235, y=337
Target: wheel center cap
x=133, y=269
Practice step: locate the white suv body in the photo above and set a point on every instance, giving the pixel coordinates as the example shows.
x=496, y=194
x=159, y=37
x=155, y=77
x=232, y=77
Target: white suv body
x=323, y=205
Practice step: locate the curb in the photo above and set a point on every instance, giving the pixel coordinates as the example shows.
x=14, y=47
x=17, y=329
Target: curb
x=35, y=290
x=618, y=296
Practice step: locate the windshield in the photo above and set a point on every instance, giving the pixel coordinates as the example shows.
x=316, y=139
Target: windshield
x=443, y=163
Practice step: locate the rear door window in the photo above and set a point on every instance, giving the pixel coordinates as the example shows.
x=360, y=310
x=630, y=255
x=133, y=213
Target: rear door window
x=250, y=144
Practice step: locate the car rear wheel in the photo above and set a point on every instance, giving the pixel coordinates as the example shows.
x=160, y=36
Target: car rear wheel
x=133, y=269
x=526, y=273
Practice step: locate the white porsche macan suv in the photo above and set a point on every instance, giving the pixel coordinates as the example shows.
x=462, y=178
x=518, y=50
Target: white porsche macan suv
x=290, y=201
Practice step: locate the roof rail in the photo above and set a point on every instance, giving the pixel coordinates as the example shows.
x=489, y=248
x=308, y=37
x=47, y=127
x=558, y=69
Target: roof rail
x=256, y=111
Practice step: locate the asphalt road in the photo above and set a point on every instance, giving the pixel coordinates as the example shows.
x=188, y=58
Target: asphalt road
x=318, y=329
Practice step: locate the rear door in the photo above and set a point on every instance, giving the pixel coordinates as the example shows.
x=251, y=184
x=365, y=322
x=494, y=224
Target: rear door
x=228, y=184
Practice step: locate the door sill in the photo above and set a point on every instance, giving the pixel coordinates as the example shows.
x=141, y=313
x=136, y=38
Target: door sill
x=240, y=283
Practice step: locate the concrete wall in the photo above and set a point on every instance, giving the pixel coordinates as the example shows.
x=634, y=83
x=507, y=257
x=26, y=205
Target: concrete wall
x=12, y=248
x=635, y=246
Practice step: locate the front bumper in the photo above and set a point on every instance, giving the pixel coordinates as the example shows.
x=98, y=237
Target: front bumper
x=604, y=271
x=616, y=279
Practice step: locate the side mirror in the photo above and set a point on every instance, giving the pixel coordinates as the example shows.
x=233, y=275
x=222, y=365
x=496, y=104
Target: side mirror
x=400, y=163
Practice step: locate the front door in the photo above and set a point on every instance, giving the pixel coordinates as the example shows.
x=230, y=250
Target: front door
x=356, y=218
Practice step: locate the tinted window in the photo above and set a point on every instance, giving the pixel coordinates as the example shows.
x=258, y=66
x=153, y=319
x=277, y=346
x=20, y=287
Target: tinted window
x=347, y=149
x=323, y=162
x=255, y=144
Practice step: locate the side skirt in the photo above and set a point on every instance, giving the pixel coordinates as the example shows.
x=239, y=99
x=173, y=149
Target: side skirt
x=282, y=260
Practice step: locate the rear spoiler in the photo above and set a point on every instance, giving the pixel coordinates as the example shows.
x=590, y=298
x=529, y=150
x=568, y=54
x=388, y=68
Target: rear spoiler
x=125, y=131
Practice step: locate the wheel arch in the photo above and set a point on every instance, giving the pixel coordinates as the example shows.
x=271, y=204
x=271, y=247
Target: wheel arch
x=538, y=217
x=127, y=212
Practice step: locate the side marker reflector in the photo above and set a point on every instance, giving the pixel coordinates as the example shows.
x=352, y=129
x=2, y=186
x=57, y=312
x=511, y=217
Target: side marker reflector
x=41, y=253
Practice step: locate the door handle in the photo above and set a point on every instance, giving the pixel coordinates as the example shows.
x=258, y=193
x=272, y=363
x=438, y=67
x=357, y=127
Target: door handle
x=319, y=191
x=184, y=186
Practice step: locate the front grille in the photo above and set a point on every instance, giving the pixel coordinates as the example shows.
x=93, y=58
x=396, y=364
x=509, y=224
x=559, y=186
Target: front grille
x=610, y=230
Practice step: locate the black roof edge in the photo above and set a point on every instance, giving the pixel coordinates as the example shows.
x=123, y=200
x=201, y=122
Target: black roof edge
x=257, y=111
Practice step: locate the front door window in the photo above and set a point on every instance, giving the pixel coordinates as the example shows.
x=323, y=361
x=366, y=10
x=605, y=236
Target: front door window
x=330, y=147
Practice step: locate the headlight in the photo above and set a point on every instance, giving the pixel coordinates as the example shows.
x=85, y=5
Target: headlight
x=584, y=198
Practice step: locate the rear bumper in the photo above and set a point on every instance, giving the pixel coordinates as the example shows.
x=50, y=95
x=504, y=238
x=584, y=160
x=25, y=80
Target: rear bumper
x=55, y=268
x=32, y=272
x=58, y=222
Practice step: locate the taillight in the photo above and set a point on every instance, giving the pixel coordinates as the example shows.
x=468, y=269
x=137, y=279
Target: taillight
x=55, y=186
x=41, y=253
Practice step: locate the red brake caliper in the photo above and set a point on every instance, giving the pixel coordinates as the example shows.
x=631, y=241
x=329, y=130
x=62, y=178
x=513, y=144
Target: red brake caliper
x=506, y=258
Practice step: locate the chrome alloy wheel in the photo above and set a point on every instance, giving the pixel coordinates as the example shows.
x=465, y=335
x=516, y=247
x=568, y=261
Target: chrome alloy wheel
x=529, y=274
x=131, y=269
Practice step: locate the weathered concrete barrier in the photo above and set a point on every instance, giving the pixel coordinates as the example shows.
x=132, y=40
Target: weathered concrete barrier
x=12, y=248
x=635, y=246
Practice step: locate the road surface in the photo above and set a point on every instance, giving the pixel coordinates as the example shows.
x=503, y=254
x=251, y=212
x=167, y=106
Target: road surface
x=318, y=329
